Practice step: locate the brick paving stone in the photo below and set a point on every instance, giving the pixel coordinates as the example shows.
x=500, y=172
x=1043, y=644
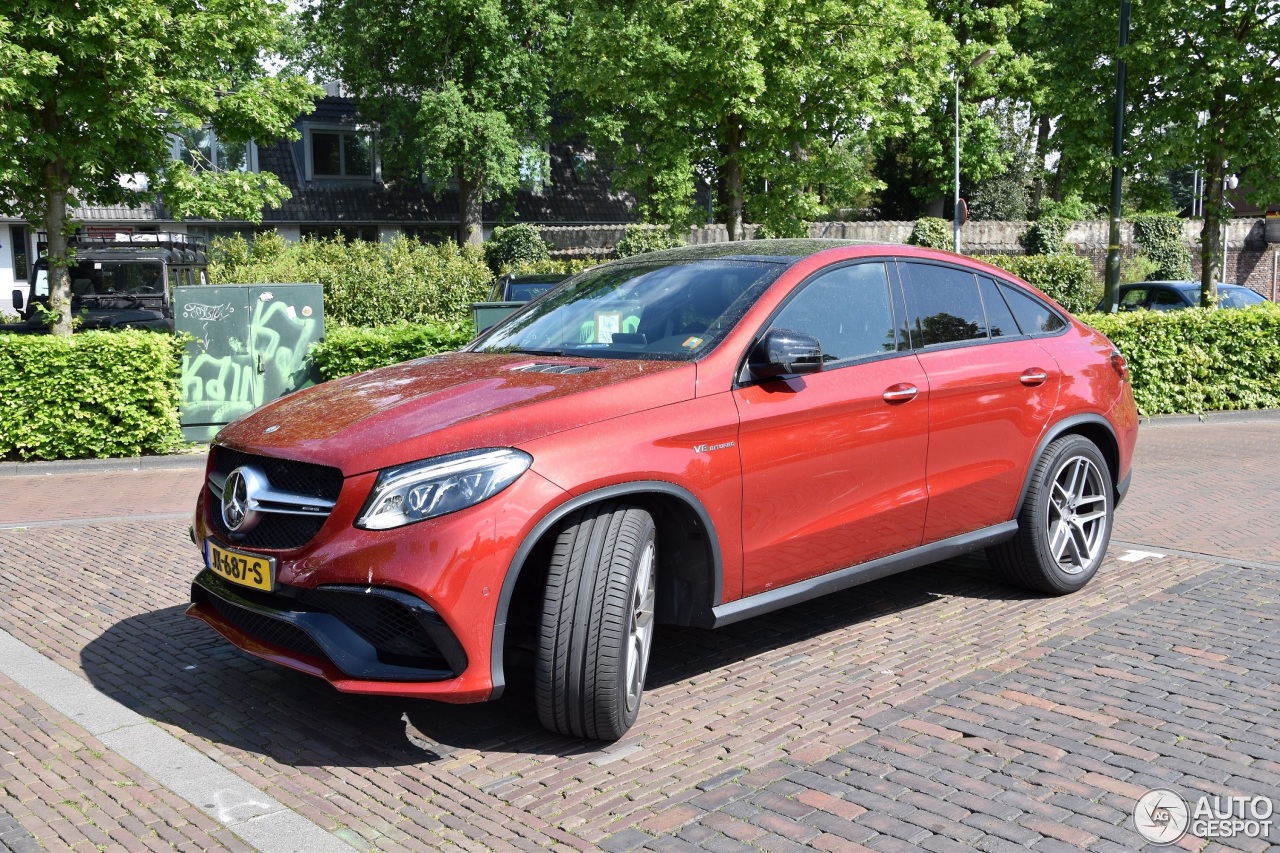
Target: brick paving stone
x=1004, y=709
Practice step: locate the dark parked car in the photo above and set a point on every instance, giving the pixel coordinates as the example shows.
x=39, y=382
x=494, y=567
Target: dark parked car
x=509, y=293
x=688, y=437
x=1175, y=295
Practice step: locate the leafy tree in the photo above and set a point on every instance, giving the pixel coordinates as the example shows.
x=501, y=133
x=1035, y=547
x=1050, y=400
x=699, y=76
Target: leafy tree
x=93, y=93
x=1202, y=91
x=458, y=88
x=919, y=167
x=771, y=101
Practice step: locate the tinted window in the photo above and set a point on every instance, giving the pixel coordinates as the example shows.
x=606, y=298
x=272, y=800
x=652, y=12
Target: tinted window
x=847, y=310
x=1034, y=317
x=999, y=317
x=1133, y=298
x=943, y=303
x=1166, y=299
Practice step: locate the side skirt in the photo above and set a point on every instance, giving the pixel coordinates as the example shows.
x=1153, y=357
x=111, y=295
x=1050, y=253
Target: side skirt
x=774, y=599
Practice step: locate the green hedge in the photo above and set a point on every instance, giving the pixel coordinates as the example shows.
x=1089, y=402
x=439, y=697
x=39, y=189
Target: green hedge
x=514, y=245
x=351, y=350
x=365, y=284
x=1046, y=236
x=89, y=394
x=1067, y=278
x=1198, y=360
x=638, y=239
x=932, y=233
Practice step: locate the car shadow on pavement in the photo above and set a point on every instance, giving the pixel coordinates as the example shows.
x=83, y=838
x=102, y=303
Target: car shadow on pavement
x=178, y=671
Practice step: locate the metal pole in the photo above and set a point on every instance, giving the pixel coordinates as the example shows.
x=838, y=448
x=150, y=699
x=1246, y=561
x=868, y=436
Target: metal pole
x=955, y=210
x=1111, y=294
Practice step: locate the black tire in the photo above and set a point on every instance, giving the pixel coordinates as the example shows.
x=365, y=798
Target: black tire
x=597, y=622
x=1065, y=523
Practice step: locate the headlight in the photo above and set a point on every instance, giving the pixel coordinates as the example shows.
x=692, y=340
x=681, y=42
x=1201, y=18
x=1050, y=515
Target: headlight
x=421, y=490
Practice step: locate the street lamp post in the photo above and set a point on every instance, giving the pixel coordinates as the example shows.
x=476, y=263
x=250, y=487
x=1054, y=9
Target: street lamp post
x=955, y=210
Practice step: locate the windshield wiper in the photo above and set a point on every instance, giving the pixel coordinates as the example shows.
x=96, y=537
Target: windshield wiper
x=533, y=351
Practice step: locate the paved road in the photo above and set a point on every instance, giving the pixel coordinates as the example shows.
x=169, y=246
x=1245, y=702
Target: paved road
x=939, y=710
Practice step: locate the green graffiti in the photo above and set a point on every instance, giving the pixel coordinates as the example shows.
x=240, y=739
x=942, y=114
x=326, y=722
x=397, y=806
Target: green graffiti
x=231, y=367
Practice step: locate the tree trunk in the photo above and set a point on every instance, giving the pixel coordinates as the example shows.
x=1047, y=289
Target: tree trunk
x=1042, y=145
x=732, y=178
x=1211, y=230
x=470, y=207
x=55, y=226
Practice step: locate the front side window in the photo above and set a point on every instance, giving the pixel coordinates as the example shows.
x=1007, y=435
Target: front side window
x=667, y=311
x=943, y=304
x=847, y=309
x=341, y=154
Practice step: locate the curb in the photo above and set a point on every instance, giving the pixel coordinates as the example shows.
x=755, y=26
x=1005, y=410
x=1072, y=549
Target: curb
x=1232, y=417
x=179, y=461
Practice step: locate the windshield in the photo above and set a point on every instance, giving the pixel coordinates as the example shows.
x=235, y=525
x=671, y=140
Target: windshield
x=670, y=311
x=99, y=278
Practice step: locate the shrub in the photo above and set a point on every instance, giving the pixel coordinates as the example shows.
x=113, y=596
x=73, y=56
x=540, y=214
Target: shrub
x=1067, y=278
x=1198, y=360
x=1136, y=269
x=1046, y=237
x=365, y=284
x=567, y=266
x=514, y=245
x=351, y=350
x=639, y=239
x=1004, y=197
x=1160, y=238
x=1072, y=208
x=932, y=233
x=90, y=394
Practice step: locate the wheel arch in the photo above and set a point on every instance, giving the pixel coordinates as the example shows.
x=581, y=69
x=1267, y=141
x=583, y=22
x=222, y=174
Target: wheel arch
x=689, y=561
x=1093, y=427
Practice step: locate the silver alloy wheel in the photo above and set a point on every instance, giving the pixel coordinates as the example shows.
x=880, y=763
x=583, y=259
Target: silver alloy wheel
x=640, y=625
x=1078, y=513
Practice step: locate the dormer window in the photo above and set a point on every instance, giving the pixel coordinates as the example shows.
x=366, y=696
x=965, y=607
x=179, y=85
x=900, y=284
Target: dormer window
x=340, y=153
x=203, y=151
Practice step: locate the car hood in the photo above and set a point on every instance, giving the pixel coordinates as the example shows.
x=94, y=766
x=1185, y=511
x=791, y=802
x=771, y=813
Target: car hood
x=443, y=404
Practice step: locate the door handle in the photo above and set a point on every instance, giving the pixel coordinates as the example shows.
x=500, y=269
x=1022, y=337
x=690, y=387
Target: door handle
x=1032, y=377
x=900, y=393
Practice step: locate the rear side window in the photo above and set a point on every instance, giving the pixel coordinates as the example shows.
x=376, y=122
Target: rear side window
x=847, y=309
x=1034, y=317
x=1167, y=299
x=999, y=318
x=943, y=304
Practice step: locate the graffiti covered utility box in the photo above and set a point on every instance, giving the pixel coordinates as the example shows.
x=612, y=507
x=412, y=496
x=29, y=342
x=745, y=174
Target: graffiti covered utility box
x=250, y=347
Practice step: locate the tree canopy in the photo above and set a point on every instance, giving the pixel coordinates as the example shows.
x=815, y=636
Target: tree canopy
x=93, y=95
x=458, y=88
x=773, y=102
x=1203, y=91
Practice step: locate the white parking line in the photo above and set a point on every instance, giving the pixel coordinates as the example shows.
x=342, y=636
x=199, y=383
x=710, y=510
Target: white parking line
x=258, y=819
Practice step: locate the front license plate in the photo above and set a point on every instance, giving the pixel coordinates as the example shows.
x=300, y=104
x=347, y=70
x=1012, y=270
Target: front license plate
x=245, y=569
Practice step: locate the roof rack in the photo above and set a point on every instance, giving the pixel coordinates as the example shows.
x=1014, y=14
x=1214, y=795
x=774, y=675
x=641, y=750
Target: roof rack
x=126, y=239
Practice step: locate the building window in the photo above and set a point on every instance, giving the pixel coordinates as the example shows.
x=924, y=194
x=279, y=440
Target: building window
x=340, y=153
x=203, y=151
x=349, y=233
x=535, y=168
x=21, y=252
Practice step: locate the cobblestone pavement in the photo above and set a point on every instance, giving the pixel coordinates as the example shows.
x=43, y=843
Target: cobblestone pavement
x=938, y=710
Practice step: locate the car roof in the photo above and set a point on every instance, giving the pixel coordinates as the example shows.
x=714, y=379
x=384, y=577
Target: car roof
x=779, y=250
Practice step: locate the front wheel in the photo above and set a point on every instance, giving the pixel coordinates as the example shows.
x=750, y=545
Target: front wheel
x=597, y=622
x=1065, y=523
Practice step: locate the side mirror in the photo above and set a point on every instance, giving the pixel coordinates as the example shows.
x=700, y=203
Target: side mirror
x=17, y=301
x=782, y=352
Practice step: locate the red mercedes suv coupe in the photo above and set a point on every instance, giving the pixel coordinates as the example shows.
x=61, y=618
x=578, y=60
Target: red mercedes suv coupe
x=687, y=437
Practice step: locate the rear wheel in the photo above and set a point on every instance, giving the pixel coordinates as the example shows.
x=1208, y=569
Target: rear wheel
x=597, y=622
x=1065, y=522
